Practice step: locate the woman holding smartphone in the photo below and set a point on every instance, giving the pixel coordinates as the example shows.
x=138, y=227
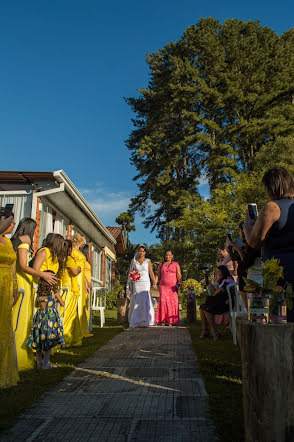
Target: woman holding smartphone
x=274, y=226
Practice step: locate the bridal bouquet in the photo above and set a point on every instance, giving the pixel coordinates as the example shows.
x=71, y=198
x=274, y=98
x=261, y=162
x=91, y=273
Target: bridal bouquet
x=134, y=275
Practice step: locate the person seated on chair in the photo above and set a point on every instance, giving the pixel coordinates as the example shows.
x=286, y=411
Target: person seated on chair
x=216, y=304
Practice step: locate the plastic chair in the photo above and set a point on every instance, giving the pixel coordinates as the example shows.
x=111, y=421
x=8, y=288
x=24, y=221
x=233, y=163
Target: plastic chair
x=99, y=302
x=240, y=309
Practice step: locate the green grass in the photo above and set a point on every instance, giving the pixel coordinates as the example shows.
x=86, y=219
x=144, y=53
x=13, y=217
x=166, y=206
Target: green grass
x=33, y=383
x=220, y=365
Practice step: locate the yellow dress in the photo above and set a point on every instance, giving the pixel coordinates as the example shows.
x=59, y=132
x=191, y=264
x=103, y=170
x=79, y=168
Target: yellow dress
x=8, y=371
x=71, y=324
x=25, y=357
x=80, y=259
x=88, y=275
x=49, y=263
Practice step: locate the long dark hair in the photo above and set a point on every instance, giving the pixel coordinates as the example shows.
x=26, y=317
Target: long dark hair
x=225, y=272
x=56, y=246
x=27, y=227
x=278, y=183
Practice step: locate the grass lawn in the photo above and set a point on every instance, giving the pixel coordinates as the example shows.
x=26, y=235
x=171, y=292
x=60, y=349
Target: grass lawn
x=220, y=365
x=33, y=383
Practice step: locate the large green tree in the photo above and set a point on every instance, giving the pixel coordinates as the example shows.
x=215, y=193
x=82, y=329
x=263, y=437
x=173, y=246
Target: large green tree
x=126, y=220
x=215, y=98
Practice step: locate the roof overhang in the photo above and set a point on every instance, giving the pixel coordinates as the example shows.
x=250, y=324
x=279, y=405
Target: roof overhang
x=69, y=188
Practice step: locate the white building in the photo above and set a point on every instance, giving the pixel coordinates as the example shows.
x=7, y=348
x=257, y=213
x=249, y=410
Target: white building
x=57, y=206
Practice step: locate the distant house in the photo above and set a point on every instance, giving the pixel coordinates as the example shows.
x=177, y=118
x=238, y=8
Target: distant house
x=57, y=206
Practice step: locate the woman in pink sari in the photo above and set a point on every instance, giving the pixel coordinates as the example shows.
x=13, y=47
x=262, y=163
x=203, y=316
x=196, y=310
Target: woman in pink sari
x=169, y=274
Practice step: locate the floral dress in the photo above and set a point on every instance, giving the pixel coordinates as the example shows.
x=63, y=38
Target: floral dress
x=47, y=330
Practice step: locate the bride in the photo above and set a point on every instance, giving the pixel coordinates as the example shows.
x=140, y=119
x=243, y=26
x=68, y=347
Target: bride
x=141, y=311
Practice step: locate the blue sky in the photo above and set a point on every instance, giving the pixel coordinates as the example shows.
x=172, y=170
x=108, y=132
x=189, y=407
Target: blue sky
x=66, y=66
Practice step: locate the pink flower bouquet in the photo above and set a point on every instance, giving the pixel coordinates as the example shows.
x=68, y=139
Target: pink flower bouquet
x=134, y=275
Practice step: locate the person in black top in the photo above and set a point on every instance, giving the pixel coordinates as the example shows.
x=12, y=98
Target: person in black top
x=274, y=226
x=217, y=304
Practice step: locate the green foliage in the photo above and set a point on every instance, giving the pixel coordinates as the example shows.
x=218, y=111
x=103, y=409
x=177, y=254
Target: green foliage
x=125, y=219
x=220, y=365
x=219, y=104
x=111, y=297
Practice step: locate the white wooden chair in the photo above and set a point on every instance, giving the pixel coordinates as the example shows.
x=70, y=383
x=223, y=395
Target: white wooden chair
x=239, y=311
x=99, y=302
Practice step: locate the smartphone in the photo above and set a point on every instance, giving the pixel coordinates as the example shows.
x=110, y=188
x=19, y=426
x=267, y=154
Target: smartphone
x=252, y=210
x=8, y=209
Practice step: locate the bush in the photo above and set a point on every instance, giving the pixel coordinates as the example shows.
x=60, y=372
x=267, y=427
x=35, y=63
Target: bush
x=111, y=297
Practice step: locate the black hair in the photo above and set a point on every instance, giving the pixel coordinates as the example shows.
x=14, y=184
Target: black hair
x=141, y=246
x=165, y=252
x=85, y=251
x=225, y=272
x=44, y=288
x=26, y=226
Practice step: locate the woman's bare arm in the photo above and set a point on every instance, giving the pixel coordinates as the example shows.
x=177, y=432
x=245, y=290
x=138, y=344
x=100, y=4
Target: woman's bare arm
x=268, y=215
x=152, y=274
x=23, y=259
x=75, y=272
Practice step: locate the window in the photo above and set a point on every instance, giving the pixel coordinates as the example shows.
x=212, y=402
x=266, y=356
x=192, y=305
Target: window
x=96, y=264
x=108, y=272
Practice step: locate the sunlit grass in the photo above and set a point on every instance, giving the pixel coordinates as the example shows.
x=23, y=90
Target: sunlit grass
x=33, y=383
x=220, y=365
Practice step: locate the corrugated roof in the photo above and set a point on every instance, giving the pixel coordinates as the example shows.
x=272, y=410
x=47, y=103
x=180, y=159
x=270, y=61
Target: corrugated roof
x=115, y=231
x=120, y=246
x=7, y=176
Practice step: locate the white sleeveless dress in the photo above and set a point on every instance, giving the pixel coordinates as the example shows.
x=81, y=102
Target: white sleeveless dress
x=141, y=311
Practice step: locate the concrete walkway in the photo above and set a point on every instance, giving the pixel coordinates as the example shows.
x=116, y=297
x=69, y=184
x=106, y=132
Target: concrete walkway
x=141, y=386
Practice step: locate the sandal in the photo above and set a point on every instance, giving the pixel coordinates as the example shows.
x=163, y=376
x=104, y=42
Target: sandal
x=205, y=334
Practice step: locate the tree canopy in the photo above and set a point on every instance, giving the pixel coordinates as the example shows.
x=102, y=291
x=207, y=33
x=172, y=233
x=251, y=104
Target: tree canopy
x=219, y=105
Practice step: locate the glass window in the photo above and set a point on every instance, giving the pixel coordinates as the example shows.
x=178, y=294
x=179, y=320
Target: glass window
x=96, y=263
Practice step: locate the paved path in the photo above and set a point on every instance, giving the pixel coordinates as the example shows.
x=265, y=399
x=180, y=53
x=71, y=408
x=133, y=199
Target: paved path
x=141, y=386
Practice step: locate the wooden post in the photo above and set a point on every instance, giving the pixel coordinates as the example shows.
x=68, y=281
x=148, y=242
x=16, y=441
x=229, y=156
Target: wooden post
x=268, y=381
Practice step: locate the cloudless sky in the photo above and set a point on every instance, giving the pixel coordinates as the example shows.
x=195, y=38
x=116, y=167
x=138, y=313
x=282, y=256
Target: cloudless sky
x=66, y=66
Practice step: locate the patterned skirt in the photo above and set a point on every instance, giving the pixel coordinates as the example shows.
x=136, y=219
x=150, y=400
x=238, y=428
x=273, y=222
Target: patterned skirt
x=47, y=330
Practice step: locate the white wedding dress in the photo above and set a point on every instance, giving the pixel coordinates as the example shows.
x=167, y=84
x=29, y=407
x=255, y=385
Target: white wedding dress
x=141, y=311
